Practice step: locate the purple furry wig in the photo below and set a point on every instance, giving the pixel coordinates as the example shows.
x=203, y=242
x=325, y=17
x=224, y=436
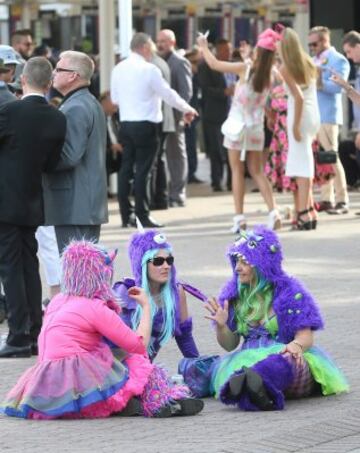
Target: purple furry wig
x=140, y=243
x=260, y=248
x=293, y=304
x=87, y=271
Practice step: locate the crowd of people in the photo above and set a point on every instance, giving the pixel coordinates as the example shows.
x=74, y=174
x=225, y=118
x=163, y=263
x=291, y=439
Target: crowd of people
x=58, y=146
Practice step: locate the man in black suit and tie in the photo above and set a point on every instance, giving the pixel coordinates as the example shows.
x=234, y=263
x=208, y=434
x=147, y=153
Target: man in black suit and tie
x=217, y=90
x=32, y=134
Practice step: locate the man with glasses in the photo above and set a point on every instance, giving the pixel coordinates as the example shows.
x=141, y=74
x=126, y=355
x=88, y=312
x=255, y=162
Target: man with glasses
x=76, y=193
x=328, y=60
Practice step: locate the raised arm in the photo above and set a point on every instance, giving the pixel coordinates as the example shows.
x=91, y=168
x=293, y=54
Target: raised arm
x=349, y=90
x=299, y=101
x=342, y=68
x=111, y=326
x=218, y=65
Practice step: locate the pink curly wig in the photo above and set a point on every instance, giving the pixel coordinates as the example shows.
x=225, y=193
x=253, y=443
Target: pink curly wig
x=87, y=271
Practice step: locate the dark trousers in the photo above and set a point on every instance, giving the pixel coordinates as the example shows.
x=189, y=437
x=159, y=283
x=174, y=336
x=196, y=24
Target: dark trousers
x=217, y=153
x=191, y=148
x=140, y=140
x=350, y=159
x=159, y=189
x=66, y=233
x=19, y=273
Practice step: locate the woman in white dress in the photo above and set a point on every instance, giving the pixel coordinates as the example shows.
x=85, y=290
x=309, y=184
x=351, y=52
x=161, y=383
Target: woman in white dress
x=248, y=107
x=303, y=122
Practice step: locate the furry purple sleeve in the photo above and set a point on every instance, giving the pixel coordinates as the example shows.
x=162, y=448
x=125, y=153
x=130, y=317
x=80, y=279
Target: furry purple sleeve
x=295, y=308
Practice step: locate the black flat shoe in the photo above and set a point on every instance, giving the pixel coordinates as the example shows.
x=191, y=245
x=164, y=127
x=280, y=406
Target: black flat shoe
x=236, y=384
x=256, y=391
x=164, y=412
x=7, y=351
x=187, y=406
x=132, y=409
x=151, y=223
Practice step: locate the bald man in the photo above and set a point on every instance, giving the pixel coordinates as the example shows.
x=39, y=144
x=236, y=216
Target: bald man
x=181, y=82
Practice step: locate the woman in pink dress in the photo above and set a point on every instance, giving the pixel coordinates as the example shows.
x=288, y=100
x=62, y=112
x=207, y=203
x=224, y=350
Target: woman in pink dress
x=90, y=363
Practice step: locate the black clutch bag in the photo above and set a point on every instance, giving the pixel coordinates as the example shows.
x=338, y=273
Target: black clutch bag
x=326, y=157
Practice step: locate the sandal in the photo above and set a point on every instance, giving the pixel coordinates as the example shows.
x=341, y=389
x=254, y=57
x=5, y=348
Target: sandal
x=313, y=219
x=303, y=224
x=239, y=224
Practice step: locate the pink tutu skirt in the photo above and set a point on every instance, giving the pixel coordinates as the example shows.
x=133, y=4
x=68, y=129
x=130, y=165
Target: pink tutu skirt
x=88, y=385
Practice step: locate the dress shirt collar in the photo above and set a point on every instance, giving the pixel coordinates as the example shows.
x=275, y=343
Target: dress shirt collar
x=33, y=94
x=136, y=56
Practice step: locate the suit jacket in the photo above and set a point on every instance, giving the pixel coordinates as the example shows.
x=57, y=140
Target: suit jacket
x=76, y=192
x=215, y=104
x=6, y=95
x=181, y=78
x=32, y=134
x=329, y=96
x=168, y=123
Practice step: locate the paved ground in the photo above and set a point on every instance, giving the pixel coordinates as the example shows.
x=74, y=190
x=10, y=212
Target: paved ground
x=327, y=260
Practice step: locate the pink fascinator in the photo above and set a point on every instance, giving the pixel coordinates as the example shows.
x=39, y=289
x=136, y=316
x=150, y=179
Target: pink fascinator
x=268, y=38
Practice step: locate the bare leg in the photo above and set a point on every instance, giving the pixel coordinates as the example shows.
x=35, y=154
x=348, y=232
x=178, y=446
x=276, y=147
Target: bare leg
x=256, y=170
x=238, y=180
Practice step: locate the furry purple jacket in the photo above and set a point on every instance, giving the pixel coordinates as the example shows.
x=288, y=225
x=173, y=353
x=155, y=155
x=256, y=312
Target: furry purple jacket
x=293, y=305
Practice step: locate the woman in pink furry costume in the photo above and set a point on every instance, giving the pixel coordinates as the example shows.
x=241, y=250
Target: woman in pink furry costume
x=77, y=374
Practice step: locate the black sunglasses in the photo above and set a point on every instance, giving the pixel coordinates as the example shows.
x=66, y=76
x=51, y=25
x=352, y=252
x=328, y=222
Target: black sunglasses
x=160, y=260
x=313, y=44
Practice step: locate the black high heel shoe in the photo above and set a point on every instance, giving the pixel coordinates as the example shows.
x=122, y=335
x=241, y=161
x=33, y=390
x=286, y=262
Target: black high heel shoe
x=313, y=220
x=303, y=224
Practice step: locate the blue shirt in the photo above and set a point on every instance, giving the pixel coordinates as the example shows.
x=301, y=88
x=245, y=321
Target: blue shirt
x=329, y=96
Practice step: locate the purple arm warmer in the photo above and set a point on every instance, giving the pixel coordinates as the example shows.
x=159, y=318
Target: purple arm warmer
x=185, y=340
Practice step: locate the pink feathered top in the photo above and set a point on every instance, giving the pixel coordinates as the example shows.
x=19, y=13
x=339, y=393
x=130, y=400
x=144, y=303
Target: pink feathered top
x=73, y=325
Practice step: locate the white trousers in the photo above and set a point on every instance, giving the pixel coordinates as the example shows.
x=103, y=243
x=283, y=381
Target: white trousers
x=49, y=254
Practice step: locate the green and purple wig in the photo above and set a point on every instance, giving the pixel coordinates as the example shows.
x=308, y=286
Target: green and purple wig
x=260, y=249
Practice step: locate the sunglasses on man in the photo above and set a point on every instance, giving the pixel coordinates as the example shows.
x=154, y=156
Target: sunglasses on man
x=160, y=260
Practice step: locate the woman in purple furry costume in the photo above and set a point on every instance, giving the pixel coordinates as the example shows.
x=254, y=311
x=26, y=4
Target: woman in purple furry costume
x=153, y=268
x=276, y=317
x=77, y=374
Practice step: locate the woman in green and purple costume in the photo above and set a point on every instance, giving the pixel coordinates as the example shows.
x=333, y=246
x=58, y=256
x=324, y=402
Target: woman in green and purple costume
x=275, y=317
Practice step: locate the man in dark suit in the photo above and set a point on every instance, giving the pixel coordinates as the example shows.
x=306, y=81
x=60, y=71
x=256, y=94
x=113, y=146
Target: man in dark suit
x=32, y=134
x=216, y=99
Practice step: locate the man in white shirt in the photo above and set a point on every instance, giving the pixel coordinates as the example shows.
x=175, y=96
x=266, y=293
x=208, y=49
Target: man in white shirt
x=138, y=88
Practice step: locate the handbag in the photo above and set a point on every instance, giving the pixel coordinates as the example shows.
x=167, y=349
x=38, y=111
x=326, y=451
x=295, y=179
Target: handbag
x=233, y=127
x=326, y=157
